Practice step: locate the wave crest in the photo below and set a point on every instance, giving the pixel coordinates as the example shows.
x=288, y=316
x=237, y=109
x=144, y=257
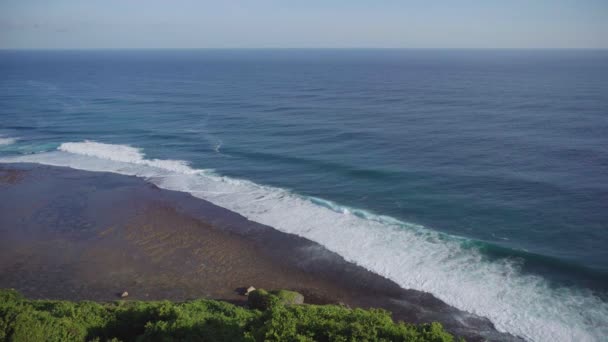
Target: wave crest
x=7, y=140
x=125, y=154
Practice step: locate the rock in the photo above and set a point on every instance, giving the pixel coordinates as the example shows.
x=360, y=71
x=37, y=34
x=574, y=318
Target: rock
x=249, y=290
x=124, y=294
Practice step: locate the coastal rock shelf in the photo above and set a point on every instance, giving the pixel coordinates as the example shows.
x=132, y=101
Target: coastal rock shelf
x=75, y=235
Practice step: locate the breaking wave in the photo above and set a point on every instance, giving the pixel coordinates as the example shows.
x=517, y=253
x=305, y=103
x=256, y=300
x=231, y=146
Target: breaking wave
x=413, y=256
x=7, y=140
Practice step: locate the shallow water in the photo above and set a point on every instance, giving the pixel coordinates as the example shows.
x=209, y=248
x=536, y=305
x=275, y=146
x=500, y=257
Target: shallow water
x=477, y=175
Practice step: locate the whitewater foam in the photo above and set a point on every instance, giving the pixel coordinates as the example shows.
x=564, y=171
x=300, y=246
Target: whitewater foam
x=6, y=140
x=411, y=255
x=126, y=154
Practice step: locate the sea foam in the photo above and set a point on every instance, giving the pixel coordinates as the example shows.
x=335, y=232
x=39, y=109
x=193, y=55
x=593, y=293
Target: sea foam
x=7, y=141
x=123, y=153
x=411, y=255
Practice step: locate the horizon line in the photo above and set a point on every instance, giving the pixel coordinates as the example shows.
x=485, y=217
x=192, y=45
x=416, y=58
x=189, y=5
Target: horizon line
x=297, y=48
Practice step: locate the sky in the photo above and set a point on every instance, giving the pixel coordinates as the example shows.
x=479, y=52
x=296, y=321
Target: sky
x=83, y=24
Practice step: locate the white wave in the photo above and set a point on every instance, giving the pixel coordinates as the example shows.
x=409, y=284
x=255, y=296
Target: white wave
x=411, y=255
x=122, y=153
x=7, y=140
x=217, y=147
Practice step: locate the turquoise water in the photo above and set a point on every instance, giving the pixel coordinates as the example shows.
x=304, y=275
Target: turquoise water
x=480, y=176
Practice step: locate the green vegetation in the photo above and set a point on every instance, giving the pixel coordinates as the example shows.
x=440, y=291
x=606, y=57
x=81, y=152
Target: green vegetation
x=201, y=320
x=262, y=299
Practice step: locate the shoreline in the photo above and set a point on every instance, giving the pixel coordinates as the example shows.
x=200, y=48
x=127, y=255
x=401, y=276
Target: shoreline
x=90, y=235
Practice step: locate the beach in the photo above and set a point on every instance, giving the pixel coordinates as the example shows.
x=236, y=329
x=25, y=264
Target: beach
x=77, y=235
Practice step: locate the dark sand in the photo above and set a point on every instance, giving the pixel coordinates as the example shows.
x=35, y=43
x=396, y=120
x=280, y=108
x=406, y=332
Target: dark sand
x=68, y=234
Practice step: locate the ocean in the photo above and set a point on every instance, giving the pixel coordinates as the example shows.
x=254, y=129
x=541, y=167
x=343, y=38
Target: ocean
x=479, y=176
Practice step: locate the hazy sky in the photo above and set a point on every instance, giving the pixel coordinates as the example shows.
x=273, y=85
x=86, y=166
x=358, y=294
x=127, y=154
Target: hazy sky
x=306, y=23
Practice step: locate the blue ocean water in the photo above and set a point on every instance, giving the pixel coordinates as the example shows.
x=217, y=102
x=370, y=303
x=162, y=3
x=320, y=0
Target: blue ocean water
x=480, y=176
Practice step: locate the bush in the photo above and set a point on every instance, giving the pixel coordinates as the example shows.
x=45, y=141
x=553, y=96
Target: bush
x=201, y=320
x=289, y=297
x=262, y=299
